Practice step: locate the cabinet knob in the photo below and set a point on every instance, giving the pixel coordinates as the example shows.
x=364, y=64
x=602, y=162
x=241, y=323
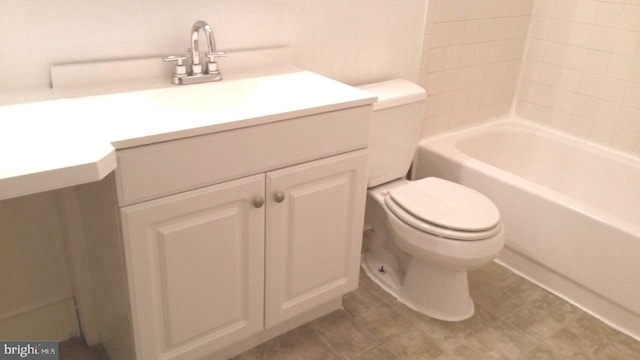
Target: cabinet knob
x=258, y=201
x=279, y=196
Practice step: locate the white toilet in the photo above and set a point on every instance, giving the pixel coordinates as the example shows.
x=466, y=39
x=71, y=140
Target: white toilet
x=422, y=236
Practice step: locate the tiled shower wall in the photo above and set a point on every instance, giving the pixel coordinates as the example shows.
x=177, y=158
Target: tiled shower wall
x=471, y=59
x=581, y=72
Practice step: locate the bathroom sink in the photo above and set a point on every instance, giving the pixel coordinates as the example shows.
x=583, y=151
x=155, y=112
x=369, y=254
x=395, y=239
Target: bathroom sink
x=70, y=141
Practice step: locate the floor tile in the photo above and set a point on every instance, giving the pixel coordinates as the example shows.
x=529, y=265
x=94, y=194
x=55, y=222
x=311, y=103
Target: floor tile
x=413, y=344
x=344, y=334
x=367, y=297
x=300, y=343
x=385, y=322
x=543, y=315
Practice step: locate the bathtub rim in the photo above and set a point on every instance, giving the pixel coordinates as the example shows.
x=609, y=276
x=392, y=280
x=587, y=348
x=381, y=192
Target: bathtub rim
x=517, y=121
x=445, y=145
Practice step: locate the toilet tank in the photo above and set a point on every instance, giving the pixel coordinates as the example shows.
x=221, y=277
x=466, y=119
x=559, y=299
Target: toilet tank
x=395, y=129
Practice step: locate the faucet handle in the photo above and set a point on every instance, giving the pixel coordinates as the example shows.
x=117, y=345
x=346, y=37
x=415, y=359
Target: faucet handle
x=178, y=58
x=212, y=65
x=181, y=69
x=217, y=54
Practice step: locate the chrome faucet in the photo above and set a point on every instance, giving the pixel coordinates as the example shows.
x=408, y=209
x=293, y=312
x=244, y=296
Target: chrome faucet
x=197, y=75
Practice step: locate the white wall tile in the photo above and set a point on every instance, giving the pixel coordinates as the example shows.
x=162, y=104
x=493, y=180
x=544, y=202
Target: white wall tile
x=544, y=8
x=614, y=89
x=601, y=133
x=473, y=60
x=609, y=14
x=436, y=60
x=632, y=97
x=451, y=57
x=586, y=55
x=624, y=140
x=597, y=62
x=565, y=10
x=569, y=79
x=607, y=112
x=620, y=67
x=630, y=16
x=575, y=57
x=541, y=114
x=585, y=106
x=554, y=53
x=530, y=70
x=545, y=95
x=602, y=38
x=580, y=34
x=635, y=70
x=629, y=118
x=560, y=120
x=565, y=100
x=626, y=43
x=439, y=35
x=580, y=126
x=586, y=12
x=591, y=85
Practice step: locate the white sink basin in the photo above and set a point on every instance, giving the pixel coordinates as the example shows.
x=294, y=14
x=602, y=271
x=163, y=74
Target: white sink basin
x=54, y=144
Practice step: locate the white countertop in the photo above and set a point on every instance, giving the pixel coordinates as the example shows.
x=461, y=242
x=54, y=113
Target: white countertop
x=53, y=144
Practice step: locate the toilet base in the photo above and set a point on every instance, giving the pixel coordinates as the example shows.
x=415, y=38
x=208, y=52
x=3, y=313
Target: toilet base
x=432, y=290
x=437, y=291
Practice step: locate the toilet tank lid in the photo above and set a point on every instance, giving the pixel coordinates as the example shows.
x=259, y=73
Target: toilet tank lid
x=394, y=93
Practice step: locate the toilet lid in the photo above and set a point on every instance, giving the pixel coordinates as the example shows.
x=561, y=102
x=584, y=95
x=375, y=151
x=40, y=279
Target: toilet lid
x=446, y=204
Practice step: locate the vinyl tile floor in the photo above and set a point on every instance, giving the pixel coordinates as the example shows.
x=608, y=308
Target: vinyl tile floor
x=514, y=319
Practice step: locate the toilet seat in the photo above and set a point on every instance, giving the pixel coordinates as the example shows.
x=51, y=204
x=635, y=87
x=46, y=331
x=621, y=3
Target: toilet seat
x=445, y=209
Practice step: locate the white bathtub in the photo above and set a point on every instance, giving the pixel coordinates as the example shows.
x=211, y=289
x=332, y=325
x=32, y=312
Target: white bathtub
x=571, y=210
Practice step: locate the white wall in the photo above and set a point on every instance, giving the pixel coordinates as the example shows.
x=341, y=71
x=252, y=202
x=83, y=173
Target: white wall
x=359, y=41
x=355, y=41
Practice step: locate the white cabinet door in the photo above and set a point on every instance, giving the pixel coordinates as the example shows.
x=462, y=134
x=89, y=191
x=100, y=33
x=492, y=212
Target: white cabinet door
x=314, y=233
x=196, y=269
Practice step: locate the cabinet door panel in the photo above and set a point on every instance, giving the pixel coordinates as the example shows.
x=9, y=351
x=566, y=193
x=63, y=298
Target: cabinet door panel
x=314, y=235
x=197, y=265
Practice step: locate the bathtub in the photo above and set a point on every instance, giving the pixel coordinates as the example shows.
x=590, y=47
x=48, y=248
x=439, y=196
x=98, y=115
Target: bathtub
x=571, y=209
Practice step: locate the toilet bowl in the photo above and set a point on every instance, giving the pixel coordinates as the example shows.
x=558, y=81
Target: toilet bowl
x=433, y=278
x=422, y=236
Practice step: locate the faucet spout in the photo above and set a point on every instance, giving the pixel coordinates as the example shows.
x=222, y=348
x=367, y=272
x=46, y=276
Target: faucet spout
x=198, y=73
x=196, y=67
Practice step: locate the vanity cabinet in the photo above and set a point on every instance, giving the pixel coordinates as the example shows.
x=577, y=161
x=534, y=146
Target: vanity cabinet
x=198, y=259
x=210, y=267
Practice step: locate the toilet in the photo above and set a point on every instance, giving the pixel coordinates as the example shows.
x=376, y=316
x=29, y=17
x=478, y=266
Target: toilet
x=421, y=237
